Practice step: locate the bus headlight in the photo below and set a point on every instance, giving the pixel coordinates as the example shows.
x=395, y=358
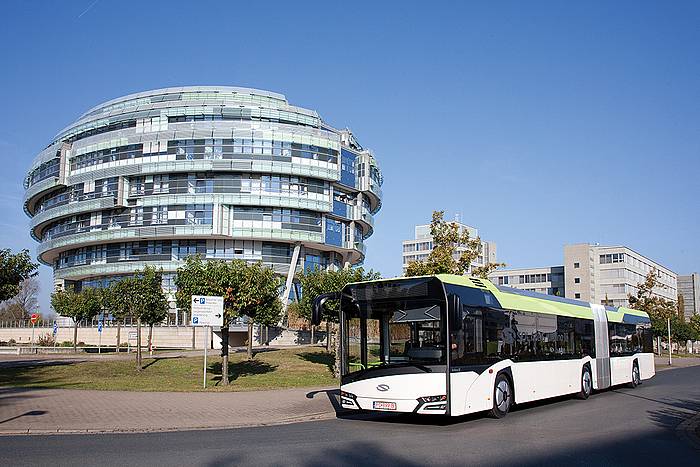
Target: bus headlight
x=426, y=399
x=348, y=399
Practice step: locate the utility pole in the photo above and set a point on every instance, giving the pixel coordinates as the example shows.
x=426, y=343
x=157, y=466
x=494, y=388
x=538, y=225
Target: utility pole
x=668, y=322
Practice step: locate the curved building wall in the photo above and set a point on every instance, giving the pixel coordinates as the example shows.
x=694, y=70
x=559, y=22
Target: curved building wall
x=224, y=172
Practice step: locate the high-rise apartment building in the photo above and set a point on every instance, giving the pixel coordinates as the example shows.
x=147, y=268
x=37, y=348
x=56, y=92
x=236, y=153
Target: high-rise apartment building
x=223, y=172
x=689, y=289
x=420, y=247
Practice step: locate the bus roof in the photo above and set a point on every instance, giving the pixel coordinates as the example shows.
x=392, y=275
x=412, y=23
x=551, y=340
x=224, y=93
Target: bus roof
x=523, y=300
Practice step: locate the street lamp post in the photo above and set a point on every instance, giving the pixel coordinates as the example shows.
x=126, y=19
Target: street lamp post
x=668, y=323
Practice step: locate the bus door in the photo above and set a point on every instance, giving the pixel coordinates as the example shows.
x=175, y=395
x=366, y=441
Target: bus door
x=602, y=346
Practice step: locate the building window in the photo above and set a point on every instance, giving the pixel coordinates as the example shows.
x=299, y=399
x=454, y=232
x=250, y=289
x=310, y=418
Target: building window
x=577, y=265
x=577, y=280
x=613, y=258
x=577, y=295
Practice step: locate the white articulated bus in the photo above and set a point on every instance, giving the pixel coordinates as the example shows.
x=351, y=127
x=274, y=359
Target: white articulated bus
x=455, y=345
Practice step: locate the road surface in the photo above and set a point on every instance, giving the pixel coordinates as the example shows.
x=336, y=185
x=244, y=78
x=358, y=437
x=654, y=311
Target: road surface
x=617, y=427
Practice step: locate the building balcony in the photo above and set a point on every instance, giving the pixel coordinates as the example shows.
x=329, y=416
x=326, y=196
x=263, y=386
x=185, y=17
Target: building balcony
x=132, y=233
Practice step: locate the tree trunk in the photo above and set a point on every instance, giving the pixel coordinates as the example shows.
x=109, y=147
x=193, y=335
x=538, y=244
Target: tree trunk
x=336, y=348
x=224, y=354
x=75, y=336
x=312, y=334
x=150, y=340
x=328, y=336
x=119, y=334
x=138, y=344
x=250, y=339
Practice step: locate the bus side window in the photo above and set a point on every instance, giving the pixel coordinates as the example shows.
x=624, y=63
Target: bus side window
x=473, y=331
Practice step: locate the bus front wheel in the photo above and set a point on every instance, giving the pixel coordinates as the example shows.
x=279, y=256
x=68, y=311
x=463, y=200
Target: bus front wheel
x=502, y=396
x=586, y=383
x=636, y=380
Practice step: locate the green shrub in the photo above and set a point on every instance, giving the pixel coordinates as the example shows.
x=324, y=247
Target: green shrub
x=66, y=344
x=12, y=342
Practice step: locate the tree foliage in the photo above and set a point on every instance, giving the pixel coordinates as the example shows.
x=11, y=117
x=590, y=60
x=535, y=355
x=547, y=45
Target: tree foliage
x=80, y=306
x=694, y=324
x=316, y=282
x=453, y=251
x=250, y=290
x=141, y=297
x=14, y=268
x=658, y=308
x=154, y=306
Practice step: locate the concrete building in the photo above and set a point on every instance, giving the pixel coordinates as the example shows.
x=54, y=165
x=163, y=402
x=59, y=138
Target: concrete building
x=689, y=288
x=608, y=274
x=592, y=273
x=420, y=247
x=547, y=280
x=224, y=172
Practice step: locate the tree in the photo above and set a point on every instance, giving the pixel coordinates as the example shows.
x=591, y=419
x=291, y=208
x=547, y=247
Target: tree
x=248, y=290
x=11, y=311
x=140, y=297
x=123, y=299
x=110, y=305
x=445, y=258
x=695, y=326
x=14, y=268
x=681, y=307
x=659, y=309
x=317, y=282
x=257, y=297
x=27, y=298
x=80, y=306
x=154, y=308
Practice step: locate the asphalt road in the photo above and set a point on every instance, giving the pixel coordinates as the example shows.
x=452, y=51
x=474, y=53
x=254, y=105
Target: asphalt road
x=617, y=427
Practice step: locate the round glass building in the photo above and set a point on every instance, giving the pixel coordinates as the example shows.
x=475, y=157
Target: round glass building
x=223, y=172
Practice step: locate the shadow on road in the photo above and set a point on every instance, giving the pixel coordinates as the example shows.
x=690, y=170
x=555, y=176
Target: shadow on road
x=31, y=413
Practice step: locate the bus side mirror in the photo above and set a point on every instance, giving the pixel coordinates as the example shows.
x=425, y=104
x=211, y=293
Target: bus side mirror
x=454, y=310
x=318, y=306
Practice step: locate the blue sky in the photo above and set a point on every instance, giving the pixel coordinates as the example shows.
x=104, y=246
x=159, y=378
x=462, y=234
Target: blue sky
x=542, y=123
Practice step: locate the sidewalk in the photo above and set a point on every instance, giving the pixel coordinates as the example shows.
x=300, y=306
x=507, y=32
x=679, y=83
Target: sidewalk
x=44, y=411
x=661, y=363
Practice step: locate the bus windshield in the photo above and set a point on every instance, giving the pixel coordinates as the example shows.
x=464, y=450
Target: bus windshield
x=394, y=333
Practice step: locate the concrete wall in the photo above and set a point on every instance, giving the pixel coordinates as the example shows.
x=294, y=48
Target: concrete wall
x=163, y=336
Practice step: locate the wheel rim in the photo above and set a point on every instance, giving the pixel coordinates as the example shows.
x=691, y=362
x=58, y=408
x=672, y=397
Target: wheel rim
x=503, y=396
x=635, y=375
x=586, y=382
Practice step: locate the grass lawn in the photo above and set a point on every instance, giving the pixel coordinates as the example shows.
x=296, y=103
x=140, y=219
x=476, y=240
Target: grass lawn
x=270, y=369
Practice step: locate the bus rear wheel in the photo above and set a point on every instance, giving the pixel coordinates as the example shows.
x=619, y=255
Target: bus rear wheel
x=502, y=397
x=586, y=383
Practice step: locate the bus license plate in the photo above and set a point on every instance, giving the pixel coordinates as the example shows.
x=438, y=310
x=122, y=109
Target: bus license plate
x=384, y=405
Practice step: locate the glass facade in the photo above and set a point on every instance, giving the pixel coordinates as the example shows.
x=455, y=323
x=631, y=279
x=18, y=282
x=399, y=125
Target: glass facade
x=139, y=178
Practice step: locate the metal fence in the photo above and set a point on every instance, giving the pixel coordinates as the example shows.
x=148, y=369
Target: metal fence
x=236, y=324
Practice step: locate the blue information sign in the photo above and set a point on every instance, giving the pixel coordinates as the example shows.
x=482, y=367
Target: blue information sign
x=99, y=327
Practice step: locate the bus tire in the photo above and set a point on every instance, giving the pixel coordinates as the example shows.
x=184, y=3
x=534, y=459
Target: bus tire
x=502, y=396
x=586, y=383
x=636, y=379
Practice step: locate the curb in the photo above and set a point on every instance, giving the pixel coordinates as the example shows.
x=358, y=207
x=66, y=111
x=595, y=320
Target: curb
x=60, y=431
x=689, y=431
